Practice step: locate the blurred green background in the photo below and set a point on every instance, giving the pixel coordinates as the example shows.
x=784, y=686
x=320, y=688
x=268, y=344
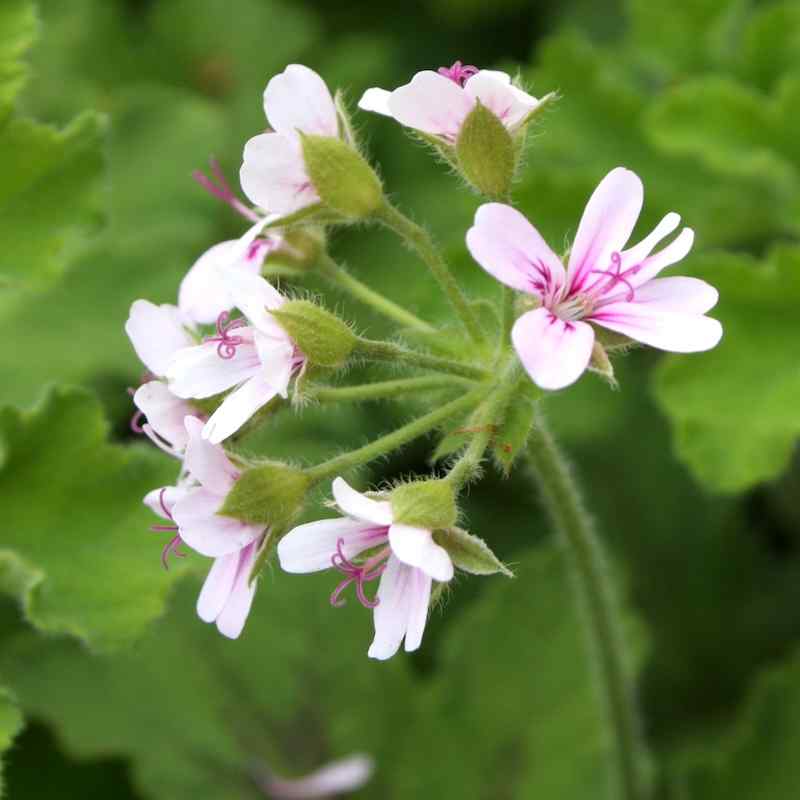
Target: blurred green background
x=112, y=687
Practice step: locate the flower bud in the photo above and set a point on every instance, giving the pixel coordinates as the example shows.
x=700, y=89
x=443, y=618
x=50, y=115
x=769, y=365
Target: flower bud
x=486, y=153
x=270, y=494
x=470, y=553
x=425, y=504
x=326, y=341
x=345, y=182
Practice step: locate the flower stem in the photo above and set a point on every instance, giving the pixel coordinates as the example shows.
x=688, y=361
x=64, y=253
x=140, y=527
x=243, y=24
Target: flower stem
x=396, y=439
x=416, y=237
x=565, y=507
x=339, y=276
x=384, y=389
x=388, y=351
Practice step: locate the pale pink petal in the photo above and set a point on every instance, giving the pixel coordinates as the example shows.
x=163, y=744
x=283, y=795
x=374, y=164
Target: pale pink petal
x=376, y=100
x=415, y=547
x=687, y=295
x=217, y=587
x=391, y=614
x=156, y=333
x=553, y=351
x=338, y=777
x=509, y=104
x=667, y=330
x=509, y=248
x=237, y=408
x=253, y=295
x=310, y=547
x=231, y=619
x=419, y=601
x=207, y=532
x=298, y=99
x=273, y=174
x=277, y=356
x=359, y=506
x=636, y=254
x=164, y=411
x=162, y=501
x=606, y=225
x=676, y=250
x=431, y=103
x=206, y=462
x=201, y=372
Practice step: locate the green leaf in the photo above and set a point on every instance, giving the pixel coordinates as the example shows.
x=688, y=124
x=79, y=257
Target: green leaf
x=18, y=29
x=76, y=550
x=734, y=409
x=10, y=726
x=510, y=439
x=771, y=43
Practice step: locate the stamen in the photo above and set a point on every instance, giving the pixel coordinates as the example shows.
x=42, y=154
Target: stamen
x=223, y=191
x=227, y=344
x=615, y=276
x=459, y=73
x=371, y=570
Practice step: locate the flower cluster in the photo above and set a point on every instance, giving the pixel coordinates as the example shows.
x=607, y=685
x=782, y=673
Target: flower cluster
x=235, y=348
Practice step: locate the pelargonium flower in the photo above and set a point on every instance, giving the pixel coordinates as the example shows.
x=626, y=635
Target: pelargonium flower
x=367, y=545
x=603, y=284
x=437, y=103
x=157, y=333
x=253, y=355
x=338, y=777
x=191, y=507
x=273, y=175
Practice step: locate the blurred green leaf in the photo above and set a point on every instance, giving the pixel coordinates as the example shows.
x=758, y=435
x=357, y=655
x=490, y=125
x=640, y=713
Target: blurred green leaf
x=76, y=547
x=18, y=29
x=735, y=409
x=10, y=726
x=771, y=43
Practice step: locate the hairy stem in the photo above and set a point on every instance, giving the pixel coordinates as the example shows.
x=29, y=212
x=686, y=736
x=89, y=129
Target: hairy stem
x=398, y=438
x=565, y=507
x=385, y=389
x=395, y=353
x=416, y=237
x=340, y=277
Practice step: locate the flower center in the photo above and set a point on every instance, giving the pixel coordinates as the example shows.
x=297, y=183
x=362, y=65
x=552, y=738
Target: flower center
x=227, y=343
x=459, y=73
x=360, y=574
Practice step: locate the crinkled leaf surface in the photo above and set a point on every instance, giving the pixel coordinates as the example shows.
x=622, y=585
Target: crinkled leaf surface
x=76, y=549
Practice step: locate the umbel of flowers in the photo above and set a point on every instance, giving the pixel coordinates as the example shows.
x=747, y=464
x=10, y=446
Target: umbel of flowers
x=237, y=349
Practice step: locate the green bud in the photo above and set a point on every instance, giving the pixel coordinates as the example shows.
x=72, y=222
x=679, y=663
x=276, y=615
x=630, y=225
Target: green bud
x=425, y=504
x=324, y=339
x=486, y=153
x=267, y=494
x=345, y=182
x=469, y=553
x=601, y=363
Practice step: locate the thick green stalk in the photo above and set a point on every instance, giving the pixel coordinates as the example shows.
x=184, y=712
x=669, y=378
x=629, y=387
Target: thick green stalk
x=420, y=240
x=396, y=439
x=395, y=353
x=340, y=277
x=384, y=389
x=565, y=507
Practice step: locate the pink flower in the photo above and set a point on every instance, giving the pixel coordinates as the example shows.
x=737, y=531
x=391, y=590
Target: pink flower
x=437, y=103
x=339, y=777
x=254, y=356
x=273, y=175
x=157, y=333
x=602, y=284
x=192, y=506
x=406, y=559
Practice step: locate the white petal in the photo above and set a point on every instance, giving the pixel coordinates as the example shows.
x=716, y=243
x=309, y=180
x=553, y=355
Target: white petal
x=376, y=100
x=431, y=103
x=206, y=531
x=253, y=295
x=277, y=356
x=233, y=616
x=687, y=295
x=237, y=408
x=162, y=501
x=359, y=506
x=273, y=174
x=217, y=587
x=339, y=777
x=509, y=104
x=676, y=250
x=606, y=225
x=201, y=372
x=164, y=411
x=415, y=547
x=419, y=602
x=298, y=99
x=206, y=462
x=555, y=353
x=156, y=333
x=508, y=247
x=391, y=614
x=666, y=330
x=637, y=253
x=310, y=547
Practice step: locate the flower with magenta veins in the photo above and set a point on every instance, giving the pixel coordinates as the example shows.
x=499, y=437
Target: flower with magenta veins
x=604, y=283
